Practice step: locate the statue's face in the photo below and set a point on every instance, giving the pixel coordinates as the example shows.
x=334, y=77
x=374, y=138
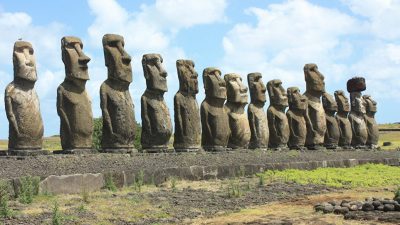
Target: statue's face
x=236, y=90
x=154, y=72
x=342, y=101
x=357, y=103
x=314, y=79
x=117, y=60
x=74, y=59
x=296, y=99
x=188, y=82
x=370, y=104
x=24, y=61
x=329, y=103
x=214, y=85
x=277, y=94
x=257, y=87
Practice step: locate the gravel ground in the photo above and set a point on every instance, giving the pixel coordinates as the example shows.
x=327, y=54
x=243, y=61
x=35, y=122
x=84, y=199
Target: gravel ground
x=12, y=167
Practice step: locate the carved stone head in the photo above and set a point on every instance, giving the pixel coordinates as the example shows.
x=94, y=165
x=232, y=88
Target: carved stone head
x=342, y=101
x=188, y=82
x=74, y=59
x=329, y=103
x=24, y=61
x=296, y=99
x=357, y=103
x=236, y=90
x=370, y=104
x=154, y=72
x=257, y=88
x=277, y=94
x=214, y=85
x=117, y=60
x=315, y=83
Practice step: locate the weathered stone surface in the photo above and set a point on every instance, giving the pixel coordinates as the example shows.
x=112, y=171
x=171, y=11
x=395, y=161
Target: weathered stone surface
x=156, y=120
x=116, y=104
x=237, y=99
x=71, y=184
x=332, y=134
x=73, y=103
x=214, y=118
x=277, y=120
x=22, y=102
x=296, y=118
x=344, y=125
x=316, y=121
x=357, y=113
x=372, y=126
x=187, y=135
x=255, y=112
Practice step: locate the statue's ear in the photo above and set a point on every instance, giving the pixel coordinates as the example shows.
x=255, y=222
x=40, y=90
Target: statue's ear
x=270, y=90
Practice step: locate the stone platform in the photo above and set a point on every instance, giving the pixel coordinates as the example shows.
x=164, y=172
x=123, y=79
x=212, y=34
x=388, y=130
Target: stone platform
x=71, y=173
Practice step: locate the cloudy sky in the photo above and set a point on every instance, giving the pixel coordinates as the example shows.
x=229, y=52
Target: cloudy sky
x=344, y=37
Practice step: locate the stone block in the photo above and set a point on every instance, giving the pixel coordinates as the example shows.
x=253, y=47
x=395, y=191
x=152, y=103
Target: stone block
x=72, y=184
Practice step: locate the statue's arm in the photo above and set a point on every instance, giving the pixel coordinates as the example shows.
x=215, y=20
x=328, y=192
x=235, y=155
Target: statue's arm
x=178, y=115
x=253, y=124
x=290, y=121
x=309, y=124
x=10, y=112
x=204, y=121
x=60, y=109
x=104, y=110
x=271, y=119
x=145, y=117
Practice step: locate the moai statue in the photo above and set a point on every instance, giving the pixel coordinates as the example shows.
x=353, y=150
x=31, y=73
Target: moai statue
x=119, y=123
x=73, y=103
x=277, y=120
x=187, y=137
x=296, y=118
x=332, y=134
x=156, y=120
x=356, y=117
x=237, y=99
x=22, y=104
x=214, y=118
x=372, y=126
x=257, y=117
x=315, y=120
x=342, y=120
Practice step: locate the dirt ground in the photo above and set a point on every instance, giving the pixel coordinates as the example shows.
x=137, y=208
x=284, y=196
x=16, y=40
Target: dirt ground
x=234, y=201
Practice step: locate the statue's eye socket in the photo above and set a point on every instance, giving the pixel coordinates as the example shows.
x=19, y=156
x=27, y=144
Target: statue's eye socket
x=31, y=51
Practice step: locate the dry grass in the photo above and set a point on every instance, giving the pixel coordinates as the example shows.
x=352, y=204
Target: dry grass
x=392, y=136
x=298, y=212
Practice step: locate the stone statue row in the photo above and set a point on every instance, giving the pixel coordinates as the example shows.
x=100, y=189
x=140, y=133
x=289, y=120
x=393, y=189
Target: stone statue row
x=220, y=124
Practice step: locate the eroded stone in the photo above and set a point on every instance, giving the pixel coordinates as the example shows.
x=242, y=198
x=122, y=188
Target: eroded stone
x=332, y=134
x=296, y=118
x=237, y=99
x=22, y=103
x=344, y=125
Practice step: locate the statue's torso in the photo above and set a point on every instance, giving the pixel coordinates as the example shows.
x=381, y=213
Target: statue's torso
x=259, y=124
x=298, y=129
x=277, y=121
x=78, y=109
x=344, y=130
x=317, y=118
x=332, y=131
x=121, y=111
x=158, y=132
x=216, y=118
x=187, y=122
x=240, y=129
x=373, y=130
x=26, y=109
x=359, y=128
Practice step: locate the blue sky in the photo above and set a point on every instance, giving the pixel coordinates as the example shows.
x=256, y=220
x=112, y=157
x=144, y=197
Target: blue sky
x=344, y=37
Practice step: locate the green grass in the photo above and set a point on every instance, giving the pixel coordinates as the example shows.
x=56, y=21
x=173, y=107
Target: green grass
x=368, y=175
x=392, y=136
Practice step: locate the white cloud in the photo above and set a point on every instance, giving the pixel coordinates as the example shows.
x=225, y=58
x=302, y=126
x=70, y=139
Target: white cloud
x=154, y=25
x=285, y=37
x=384, y=16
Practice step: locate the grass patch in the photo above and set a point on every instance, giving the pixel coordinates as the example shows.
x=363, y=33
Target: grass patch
x=392, y=136
x=368, y=175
